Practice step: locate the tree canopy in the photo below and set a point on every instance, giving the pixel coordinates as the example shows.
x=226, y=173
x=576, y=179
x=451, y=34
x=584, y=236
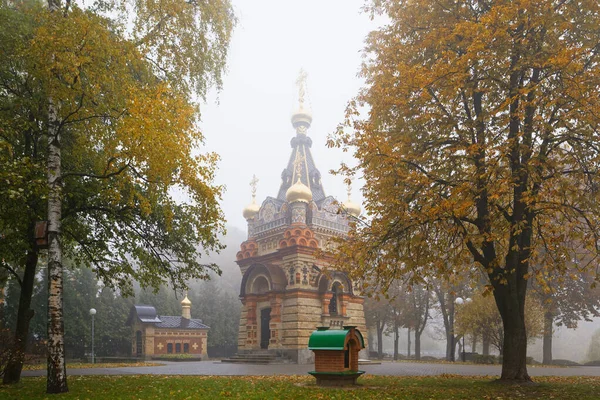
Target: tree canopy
x=479, y=148
x=108, y=102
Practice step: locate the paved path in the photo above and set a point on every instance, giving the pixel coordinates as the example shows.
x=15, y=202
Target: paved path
x=386, y=368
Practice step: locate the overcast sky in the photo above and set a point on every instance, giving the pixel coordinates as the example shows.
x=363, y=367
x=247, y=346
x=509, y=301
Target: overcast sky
x=248, y=122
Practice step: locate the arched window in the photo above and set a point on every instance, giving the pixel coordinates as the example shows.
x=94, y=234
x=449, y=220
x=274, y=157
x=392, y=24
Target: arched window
x=261, y=285
x=336, y=289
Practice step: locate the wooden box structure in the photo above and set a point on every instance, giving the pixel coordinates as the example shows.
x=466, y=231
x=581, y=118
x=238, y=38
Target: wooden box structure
x=336, y=355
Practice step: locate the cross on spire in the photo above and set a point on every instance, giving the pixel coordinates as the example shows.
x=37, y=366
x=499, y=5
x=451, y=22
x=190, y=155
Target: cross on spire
x=349, y=188
x=253, y=184
x=301, y=82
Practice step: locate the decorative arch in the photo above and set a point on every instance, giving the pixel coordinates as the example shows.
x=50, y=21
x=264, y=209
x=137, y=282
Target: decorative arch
x=298, y=236
x=251, y=274
x=248, y=249
x=326, y=282
x=260, y=278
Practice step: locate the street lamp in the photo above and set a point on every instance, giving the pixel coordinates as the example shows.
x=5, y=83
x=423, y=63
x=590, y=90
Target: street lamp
x=92, y=313
x=459, y=302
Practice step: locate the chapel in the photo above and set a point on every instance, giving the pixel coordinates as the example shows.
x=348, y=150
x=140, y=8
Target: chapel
x=285, y=291
x=156, y=335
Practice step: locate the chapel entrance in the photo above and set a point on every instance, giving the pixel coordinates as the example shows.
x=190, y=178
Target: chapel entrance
x=265, y=331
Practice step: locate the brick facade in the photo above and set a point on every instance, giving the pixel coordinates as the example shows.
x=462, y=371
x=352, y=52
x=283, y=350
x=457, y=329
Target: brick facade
x=153, y=335
x=195, y=341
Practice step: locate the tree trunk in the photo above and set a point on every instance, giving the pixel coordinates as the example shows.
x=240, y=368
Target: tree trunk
x=57, y=371
x=396, y=339
x=380, y=327
x=474, y=344
x=417, y=345
x=511, y=305
x=485, y=345
x=514, y=355
x=447, y=309
x=547, y=346
x=408, y=356
x=12, y=371
x=449, y=346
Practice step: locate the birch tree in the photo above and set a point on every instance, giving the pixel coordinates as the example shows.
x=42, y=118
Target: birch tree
x=119, y=103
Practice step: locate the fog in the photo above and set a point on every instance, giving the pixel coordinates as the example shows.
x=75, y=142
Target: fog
x=567, y=344
x=248, y=122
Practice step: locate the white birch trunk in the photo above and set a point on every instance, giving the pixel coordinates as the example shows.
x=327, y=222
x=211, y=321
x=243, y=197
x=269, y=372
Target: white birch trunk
x=57, y=371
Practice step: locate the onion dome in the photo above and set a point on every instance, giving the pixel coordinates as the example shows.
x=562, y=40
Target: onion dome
x=298, y=192
x=302, y=117
x=251, y=210
x=186, y=301
x=351, y=207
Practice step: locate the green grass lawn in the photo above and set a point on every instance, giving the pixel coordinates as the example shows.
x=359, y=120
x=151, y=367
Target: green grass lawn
x=303, y=387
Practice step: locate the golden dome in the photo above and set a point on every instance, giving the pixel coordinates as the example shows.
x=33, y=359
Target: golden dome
x=298, y=192
x=349, y=206
x=186, y=301
x=251, y=210
x=302, y=117
x=352, y=208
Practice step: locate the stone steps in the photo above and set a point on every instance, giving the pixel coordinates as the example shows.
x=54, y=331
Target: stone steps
x=256, y=357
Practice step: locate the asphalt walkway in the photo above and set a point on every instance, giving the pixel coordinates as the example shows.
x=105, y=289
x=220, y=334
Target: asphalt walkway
x=386, y=368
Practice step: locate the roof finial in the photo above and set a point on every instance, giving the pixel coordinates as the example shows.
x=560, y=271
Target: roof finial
x=252, y=209
x=349, y=188
x=301, y=82
x=253, y=184
x=302, y=117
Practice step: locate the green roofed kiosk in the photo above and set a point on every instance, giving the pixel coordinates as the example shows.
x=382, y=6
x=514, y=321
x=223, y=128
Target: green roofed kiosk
x=336, y=355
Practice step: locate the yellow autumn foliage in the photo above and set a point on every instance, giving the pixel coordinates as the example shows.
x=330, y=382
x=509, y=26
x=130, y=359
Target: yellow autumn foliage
x=476, y=135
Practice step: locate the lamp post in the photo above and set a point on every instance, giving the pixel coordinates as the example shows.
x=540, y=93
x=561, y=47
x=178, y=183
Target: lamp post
x=459, y=302
x=92, y=313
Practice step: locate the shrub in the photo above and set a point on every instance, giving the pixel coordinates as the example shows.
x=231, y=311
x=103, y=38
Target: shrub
x=565, y=363
x=531, y=361
x=481, y=359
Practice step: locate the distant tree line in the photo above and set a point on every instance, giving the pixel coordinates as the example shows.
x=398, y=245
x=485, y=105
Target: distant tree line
x=563, y=303
x=217, y=307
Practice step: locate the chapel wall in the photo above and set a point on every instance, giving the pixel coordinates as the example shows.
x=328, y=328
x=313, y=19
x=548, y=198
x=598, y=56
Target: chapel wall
x=194, y=341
